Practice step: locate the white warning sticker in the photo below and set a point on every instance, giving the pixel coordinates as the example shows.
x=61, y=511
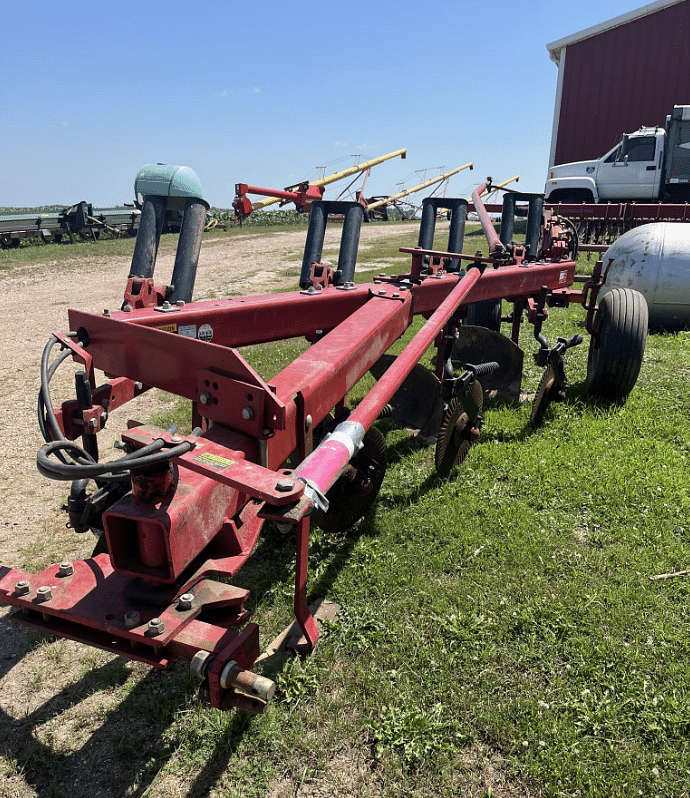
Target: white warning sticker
x=188, y=330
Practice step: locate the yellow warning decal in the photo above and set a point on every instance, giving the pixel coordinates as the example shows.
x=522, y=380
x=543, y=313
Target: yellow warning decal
x=167, y=328
x=213, y=460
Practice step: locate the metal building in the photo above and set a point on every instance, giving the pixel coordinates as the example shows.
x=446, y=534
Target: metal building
x=617, y=76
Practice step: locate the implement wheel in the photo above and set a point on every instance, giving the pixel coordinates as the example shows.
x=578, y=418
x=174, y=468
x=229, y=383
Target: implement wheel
x=614, y=361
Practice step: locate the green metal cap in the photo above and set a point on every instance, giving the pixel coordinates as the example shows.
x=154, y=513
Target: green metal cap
x=178, y=183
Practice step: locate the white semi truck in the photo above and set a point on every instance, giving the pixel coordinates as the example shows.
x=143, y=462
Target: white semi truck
x=650, y=165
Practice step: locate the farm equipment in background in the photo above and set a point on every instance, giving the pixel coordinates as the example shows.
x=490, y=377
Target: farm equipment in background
x=176, y=513
x=599, y=225
x=80, y=219
x=302, y=194
x=376, y=207
x=644, y=179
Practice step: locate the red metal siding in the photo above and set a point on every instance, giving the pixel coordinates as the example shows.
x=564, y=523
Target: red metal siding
x=621, y=79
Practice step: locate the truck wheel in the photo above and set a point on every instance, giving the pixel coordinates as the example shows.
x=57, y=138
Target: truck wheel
x=621, y=324
x=485, y=314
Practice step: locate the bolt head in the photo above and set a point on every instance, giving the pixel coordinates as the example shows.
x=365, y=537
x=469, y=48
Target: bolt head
x=156, y=626
x=205, y=398
x=166, y=304
x=132, y=619
x=308, y=421
x=185, y=601
x=247, y=413
x=66, y=569
x=106, y=312
x=44, y=593
x=285, y=485
x=127, y=308
x=22, y=588
x=180, y=303
x=382, y=291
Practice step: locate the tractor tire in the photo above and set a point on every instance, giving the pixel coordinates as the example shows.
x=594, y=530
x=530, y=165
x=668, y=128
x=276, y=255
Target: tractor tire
x=485, y=314
x=621, y=324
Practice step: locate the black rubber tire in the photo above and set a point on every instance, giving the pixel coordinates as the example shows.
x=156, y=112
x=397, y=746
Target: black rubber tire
x=621, y=321
x=485, y=314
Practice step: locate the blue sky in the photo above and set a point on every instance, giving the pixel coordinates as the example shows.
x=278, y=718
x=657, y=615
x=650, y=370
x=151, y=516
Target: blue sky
x=264, y=92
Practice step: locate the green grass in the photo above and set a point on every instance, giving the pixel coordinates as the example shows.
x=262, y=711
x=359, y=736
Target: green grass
x=499, y=635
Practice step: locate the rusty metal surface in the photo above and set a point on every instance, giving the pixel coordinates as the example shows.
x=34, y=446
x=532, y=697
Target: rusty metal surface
x=92, y=604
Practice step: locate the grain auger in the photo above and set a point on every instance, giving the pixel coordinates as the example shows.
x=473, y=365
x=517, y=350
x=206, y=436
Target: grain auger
x=176, y=516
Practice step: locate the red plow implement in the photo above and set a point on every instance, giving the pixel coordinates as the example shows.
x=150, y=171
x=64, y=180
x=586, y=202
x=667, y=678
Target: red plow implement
x=178, y=515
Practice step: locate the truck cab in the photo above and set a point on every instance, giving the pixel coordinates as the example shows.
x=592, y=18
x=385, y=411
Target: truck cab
x=631, y=171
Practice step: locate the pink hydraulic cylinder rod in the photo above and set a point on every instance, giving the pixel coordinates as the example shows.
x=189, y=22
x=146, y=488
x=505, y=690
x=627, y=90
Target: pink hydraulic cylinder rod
x=328, y=461
x=495, y=244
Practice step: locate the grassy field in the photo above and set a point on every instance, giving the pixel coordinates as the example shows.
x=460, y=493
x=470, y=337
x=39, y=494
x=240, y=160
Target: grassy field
x=499, y=633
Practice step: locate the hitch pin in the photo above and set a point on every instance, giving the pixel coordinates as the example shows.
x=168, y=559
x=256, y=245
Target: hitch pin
x=233, y=677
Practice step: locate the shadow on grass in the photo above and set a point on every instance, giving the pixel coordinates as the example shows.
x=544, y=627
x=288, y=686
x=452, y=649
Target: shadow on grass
x=78, y=744
x=106, y=761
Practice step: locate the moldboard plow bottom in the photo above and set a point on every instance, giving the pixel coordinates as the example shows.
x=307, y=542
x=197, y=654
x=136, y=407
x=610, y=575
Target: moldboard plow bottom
x=178, y=515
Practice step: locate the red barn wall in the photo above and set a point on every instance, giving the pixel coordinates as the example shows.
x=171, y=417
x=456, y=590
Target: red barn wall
x=623, y=78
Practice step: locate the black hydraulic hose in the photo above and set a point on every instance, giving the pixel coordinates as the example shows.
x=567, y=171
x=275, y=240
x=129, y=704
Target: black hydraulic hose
x=41, y=405
x=86, y=468
x=46, y=413
x=52, y=459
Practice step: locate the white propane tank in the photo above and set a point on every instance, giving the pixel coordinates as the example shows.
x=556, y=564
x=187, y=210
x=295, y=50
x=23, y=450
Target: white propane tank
x=654, y=259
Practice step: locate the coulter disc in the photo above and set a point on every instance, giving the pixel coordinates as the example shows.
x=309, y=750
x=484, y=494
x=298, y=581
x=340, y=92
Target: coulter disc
x=357, y=489
x=458, y=430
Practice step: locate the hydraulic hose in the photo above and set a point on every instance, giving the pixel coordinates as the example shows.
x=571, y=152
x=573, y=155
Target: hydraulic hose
x=46, y=413
x=85, y=467
x=63, y=459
